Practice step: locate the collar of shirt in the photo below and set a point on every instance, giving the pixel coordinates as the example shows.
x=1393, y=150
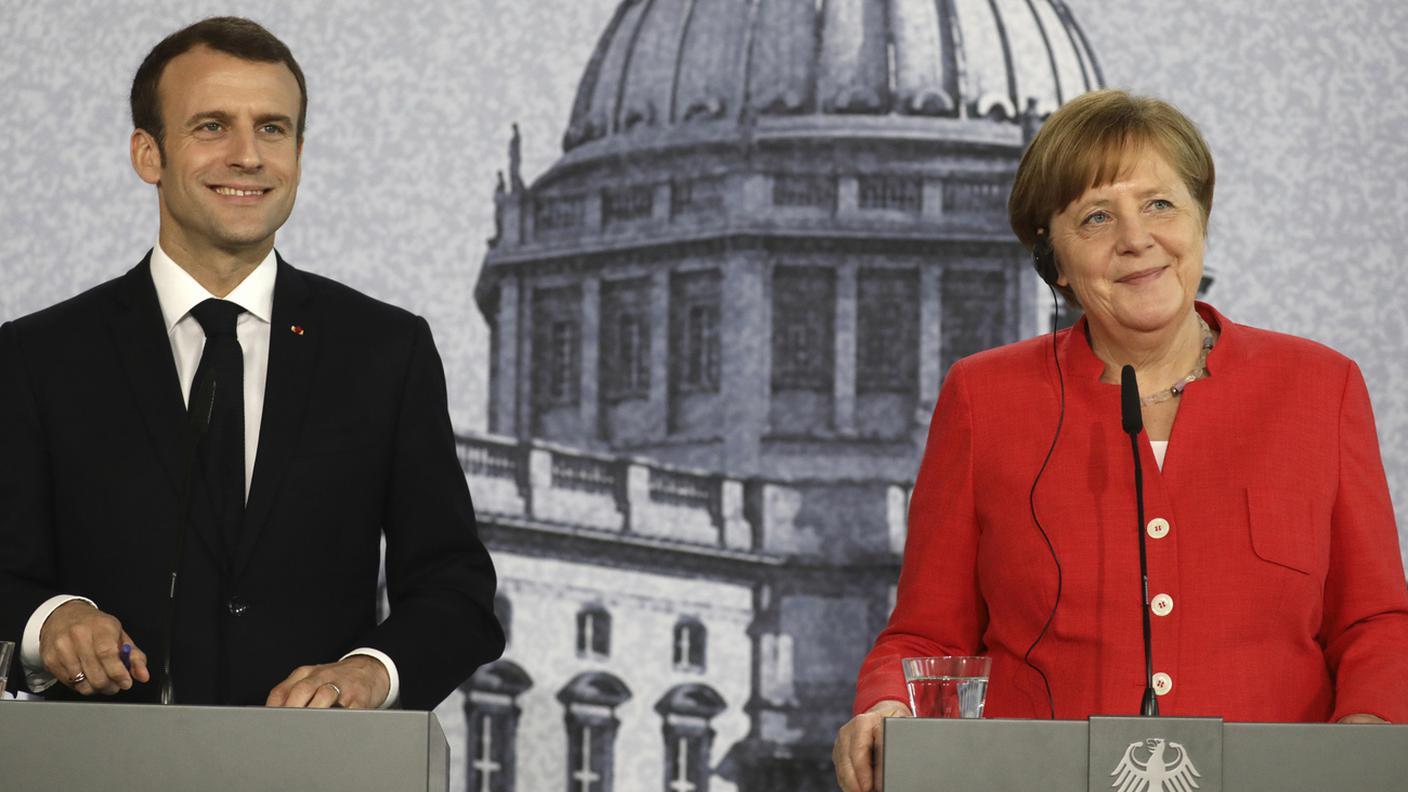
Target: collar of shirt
x=177, y=292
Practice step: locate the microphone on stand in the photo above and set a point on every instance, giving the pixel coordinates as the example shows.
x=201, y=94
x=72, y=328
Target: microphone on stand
x=1133, y=420
x=197, y=422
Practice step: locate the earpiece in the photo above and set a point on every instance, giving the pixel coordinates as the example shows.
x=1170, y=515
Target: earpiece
x=1044, y=258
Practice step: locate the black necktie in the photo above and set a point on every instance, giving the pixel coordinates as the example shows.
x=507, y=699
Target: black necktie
x=222, y=447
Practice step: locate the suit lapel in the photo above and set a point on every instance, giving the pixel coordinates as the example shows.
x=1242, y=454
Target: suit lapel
x=294, y=336
x=144, y=350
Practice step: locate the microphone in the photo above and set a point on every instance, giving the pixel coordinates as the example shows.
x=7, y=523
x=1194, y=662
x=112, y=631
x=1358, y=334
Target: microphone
x=197, y=422
x=1133, y=422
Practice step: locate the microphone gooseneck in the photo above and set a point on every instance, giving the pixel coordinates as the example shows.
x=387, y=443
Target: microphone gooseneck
x=197, y=421
x=1133, y=421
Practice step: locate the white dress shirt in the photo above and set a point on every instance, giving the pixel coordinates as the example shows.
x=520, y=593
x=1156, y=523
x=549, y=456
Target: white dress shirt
x=177, y=293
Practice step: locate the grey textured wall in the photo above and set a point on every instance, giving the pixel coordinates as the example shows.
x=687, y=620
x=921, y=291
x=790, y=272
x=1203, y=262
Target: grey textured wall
x=411, y=102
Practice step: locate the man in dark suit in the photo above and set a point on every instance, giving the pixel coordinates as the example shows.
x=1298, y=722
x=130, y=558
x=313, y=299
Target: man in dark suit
x=317, y=422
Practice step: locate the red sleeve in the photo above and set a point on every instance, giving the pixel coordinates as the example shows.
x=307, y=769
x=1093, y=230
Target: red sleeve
x=1365, y=628
x=938, y=609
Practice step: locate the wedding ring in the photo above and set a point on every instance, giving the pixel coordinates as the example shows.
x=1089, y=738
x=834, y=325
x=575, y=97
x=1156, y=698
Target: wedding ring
x=335, y=689
x=78, y=678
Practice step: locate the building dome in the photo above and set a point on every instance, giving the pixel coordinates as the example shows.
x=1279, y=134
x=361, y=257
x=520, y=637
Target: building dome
x=672, y=64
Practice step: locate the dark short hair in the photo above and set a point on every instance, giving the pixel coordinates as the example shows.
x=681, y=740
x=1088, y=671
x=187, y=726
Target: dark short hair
x=236, y=36
x=1086, y=143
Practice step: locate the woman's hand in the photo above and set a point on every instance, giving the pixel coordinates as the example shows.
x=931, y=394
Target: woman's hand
x=1362, y=718
x=858, y=747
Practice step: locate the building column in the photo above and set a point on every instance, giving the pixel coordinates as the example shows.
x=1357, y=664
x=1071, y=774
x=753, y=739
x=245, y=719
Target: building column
x=745, y=341
x=659, y=397
x=756, y=193
x=523, y=406
x=661, y=202
x=503, y=407
x=932, y=209
x=847, y=197
x=590, y=357
x=843, y=366
x=931, y=323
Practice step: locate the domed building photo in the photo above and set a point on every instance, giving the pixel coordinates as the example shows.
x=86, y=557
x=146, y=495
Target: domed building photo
x=718, y=326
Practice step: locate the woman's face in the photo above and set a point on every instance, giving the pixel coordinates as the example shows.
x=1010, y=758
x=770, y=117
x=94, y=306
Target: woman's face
x=1132, y=250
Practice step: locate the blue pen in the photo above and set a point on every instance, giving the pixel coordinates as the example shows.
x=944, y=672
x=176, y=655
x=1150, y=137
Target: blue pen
x=125, y=654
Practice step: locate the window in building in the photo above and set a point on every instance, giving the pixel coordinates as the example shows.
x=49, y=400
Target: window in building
x=804, y=190
x=560, y=213
x=491, y=717
x=698, y=196
x=887, y=330
x=974, y=312
x=803, y=327
x=968, y=197
x=702, y=348
x=593, y=632
x=591, y=700
x=695, y=349
x=686, y=711
x=624, y=204
x=896, y=193
x=562, y=386
x=625, y=342
x=556, y=347
x=689, y=645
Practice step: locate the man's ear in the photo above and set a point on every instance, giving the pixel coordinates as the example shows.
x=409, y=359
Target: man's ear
x=146, y=157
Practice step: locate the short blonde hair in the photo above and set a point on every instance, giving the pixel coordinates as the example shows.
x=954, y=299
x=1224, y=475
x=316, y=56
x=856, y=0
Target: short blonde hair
x=1086, y=143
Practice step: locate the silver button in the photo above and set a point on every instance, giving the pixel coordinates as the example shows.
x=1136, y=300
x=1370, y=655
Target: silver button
x=1161, y=605
x=1163, y=683
x=1158, y=528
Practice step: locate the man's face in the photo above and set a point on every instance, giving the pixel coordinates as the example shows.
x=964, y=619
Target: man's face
x=231, y=153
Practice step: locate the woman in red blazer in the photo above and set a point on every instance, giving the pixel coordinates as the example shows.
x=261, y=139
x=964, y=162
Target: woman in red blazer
x=1277, y=590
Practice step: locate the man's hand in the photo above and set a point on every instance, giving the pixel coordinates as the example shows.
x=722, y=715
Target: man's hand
x=359, y=682
x=1362, y=718
x=858, y=747
x=81, y=646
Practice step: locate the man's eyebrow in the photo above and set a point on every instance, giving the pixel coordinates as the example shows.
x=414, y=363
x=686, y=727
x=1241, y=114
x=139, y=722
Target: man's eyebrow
x=209, y=115
x=227, y=119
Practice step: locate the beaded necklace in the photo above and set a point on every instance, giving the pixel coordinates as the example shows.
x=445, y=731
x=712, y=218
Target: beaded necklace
x=1200, y=370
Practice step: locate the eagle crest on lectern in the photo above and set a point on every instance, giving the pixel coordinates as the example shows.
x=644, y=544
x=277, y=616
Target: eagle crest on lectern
x=1155, y=765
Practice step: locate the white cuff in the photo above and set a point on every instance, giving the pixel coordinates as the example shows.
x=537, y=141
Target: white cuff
x=35, y=674
x=393, y=695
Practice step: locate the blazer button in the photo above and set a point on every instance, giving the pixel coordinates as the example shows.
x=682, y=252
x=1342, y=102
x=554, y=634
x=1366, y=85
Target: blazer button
x=1158, y=528
x=236, y=606
x=1162, y=605
x=1163, y=684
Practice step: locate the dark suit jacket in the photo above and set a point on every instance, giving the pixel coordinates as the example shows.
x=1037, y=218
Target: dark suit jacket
x=355, y=440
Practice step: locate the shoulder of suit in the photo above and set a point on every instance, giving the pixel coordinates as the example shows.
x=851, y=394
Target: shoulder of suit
x=71, y=313
x=1025, y=357
x=340, y=298
x=1287, y=351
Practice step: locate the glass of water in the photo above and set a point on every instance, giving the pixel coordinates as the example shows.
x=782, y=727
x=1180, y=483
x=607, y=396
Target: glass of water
x=7, y=653
x=947, y=687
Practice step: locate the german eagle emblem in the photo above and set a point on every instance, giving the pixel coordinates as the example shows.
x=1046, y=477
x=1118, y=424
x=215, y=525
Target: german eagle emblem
x=1155, y=765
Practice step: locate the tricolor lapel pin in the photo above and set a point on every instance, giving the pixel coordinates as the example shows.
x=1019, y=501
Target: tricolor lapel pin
x=296, y=329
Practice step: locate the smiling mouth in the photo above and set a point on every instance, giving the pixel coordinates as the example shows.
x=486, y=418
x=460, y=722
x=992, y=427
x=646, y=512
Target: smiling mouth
x=1142, y=276
x=236, y=192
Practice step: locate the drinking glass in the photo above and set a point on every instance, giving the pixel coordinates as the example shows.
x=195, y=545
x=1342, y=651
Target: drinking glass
x=947, y=687
x=7, y=653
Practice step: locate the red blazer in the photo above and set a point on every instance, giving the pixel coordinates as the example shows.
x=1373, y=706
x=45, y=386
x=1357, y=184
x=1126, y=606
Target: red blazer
x=1281, y=554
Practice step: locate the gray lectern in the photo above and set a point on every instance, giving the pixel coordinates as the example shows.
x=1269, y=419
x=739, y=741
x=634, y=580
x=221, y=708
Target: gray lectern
x=106, y=747
x=1142, y=755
